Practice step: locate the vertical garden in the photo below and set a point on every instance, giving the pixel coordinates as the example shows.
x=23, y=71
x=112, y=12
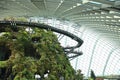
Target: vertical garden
x=26, y=51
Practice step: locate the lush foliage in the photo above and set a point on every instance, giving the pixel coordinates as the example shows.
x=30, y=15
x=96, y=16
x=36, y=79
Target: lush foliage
x=78, y=75
x=25, y=52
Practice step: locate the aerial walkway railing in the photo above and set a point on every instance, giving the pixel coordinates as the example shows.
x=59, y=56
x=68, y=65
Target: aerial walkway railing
x=67, y=50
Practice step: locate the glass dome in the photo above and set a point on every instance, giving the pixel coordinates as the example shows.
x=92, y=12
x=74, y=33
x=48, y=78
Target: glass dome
x=96, y=22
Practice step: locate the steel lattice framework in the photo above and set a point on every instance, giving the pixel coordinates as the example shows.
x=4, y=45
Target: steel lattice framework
x=98, y=20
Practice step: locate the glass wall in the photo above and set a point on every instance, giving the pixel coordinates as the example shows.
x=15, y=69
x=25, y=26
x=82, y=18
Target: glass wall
x=100, y=49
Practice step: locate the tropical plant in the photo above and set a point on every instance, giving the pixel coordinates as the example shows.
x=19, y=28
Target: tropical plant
x=24, y=53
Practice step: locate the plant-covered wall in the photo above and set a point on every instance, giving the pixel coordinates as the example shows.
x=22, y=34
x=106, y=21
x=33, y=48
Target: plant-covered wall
x=25, y=52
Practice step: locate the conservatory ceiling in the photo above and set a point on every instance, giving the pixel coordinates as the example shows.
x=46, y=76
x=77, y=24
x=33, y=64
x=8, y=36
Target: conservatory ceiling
x=79, y=11
x=99, y=21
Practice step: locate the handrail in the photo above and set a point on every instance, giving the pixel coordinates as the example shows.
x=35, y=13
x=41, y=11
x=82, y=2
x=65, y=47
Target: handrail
x=47, y=27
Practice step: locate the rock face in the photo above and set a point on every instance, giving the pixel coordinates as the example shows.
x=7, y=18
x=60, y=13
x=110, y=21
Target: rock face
x=25, y=52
